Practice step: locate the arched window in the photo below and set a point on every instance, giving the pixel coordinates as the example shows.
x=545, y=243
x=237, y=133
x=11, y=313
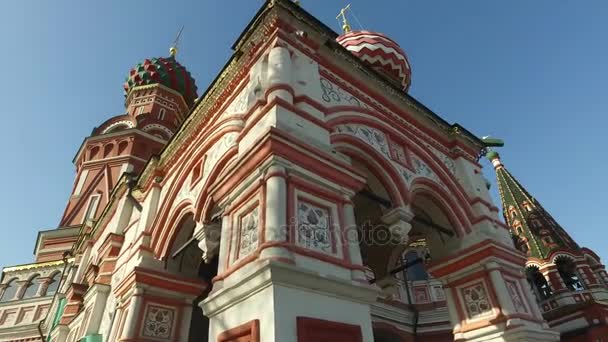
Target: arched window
x=10, y=291
x=53, y=285
x=32, y=287
x=161, y=114
x=567, y=270
x=416, y=271
x=538, y=282
x=512, y=212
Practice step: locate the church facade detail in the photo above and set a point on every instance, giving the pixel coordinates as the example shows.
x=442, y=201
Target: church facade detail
x=305, y=196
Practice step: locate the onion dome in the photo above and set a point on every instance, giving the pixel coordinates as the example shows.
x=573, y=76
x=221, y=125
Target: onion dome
x=165, y=71
x=380, y=52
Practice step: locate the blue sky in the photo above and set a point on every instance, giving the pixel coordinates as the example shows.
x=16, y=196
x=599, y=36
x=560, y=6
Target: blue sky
x=531, y=72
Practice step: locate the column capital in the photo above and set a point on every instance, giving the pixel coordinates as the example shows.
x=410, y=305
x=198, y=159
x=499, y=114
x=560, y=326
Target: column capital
x=398, y=214
x=398, y=221
x=208, y=235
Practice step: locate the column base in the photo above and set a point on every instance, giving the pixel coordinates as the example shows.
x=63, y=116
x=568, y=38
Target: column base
x=286, y=301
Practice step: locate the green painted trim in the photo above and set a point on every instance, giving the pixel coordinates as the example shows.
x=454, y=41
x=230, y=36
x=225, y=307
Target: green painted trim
x=57, y=318
x=91, y=338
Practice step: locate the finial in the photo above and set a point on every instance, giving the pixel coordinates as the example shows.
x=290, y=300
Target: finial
x=342, y=15
x=173, y=48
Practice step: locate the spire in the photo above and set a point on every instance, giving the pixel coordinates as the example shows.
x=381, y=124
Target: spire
x=534, y=230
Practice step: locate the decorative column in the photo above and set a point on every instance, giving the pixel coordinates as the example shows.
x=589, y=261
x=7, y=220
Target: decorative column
x=22, y=286
x=352, y=238
x=276, y=226
x=134, y=308
x=498, y=282
x=486, y=295
x=531, y=299
x=43, y=284
x=279, y=74
x=2, y=289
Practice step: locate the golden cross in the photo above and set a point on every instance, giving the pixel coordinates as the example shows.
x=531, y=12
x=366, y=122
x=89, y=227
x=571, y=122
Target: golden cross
x=173, y=49
x=342, y=15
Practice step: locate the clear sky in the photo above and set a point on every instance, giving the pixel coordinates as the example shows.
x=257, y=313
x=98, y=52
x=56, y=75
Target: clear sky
x=531, y=72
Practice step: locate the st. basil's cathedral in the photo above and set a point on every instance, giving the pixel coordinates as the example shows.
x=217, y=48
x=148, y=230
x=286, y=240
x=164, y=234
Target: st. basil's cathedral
x=304, y=196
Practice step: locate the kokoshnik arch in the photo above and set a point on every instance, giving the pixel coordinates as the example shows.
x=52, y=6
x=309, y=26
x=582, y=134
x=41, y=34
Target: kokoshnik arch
x=305, y=196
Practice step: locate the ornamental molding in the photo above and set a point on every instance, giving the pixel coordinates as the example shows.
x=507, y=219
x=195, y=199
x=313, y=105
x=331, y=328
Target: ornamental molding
x=379, y=142
x=126, y=123
x=339, y=92
x=150, y=127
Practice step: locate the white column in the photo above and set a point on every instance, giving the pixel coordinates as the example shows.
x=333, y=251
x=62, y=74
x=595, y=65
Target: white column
x=128, y=331
x=279, y=73
x=186, y=317
x=500, y=288
x=531, y=299
x=276, y=213
x=224, y=244
x=452, y=310
x=352, y=239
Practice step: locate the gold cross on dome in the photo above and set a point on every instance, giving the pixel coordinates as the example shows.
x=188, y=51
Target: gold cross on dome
x=342, y=15
x=173, y=49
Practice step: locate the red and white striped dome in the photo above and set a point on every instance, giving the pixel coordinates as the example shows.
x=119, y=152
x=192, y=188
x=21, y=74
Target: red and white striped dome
x=381, y=52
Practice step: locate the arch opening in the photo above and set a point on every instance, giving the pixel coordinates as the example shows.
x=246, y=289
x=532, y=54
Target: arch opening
x=538, y=283
x=187, y=259
x=567, y=271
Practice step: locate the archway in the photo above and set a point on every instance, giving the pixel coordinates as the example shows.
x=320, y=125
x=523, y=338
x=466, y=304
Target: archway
x=186, y=259
x=395, y=243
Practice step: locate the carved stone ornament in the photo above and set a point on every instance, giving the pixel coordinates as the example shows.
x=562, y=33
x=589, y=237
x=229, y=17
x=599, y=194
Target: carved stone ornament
x=208, y=236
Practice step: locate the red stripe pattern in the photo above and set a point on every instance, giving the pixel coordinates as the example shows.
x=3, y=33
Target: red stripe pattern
x=381, y=52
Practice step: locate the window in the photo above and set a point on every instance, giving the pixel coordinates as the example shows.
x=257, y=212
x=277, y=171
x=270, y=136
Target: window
x=32, y=287
x=527, y=206
x=140, y=110
x=512, y=212
x=92, y=207
x=53, y=285
x=161, y=114
x=10, y=291
x=538, y=283
x=416, y=270
x=81, y=180
x=518, y=228
x=567, y=271
x=547, y=240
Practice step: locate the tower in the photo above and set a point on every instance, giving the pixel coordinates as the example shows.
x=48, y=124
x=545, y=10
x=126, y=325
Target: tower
x=569, y=282
x=158, y=95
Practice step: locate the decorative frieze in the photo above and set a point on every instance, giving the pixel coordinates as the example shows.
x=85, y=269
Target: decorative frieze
x=333, y=95
x=373, y=137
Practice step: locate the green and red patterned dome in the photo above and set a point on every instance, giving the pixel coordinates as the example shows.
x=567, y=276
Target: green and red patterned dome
x=165, y=71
